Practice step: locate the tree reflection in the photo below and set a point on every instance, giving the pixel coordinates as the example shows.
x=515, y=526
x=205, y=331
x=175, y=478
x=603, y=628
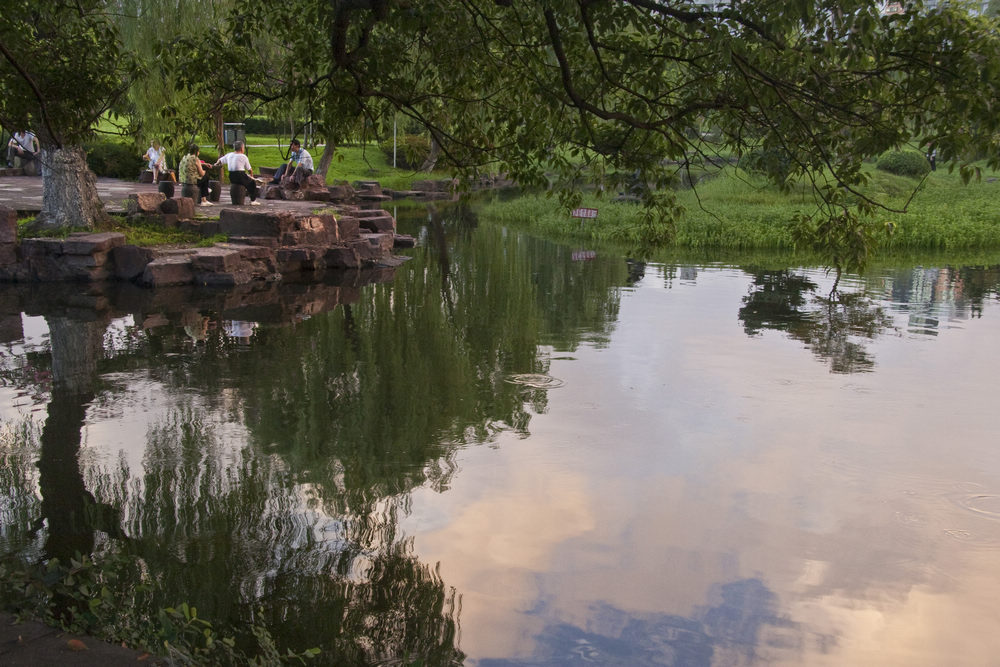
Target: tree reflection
x=832, y=327
x=247, y=543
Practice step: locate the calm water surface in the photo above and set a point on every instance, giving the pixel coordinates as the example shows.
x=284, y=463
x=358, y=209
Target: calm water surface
x=518, y=453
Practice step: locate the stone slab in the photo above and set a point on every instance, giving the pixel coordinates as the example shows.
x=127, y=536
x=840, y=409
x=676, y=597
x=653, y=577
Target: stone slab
x=215, y=259
x=87, y=243
x=41, y=247
x=252, y=223
x=168, y=270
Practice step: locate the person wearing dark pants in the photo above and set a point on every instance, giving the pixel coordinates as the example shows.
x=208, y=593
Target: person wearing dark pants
x=240, y=171
x=298, y=168
x=193, y=173
x=23, y=144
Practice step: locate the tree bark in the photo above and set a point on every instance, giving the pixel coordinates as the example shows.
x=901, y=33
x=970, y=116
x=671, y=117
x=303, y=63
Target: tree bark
x=69, y=190
x=432, y=157
x=325, y=159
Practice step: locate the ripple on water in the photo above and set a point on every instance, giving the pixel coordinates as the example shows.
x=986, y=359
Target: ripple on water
x=535, y=381
x=983, y=505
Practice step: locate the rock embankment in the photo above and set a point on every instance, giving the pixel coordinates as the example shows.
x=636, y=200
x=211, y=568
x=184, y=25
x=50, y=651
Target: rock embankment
x=263, y=246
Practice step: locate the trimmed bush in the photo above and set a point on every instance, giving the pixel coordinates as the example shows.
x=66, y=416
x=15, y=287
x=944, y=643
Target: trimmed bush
x=411, y=150
x=904, y=163
x=115, y=160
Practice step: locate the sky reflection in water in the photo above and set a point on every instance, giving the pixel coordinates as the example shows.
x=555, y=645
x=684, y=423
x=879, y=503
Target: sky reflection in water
x=693, y=495
x=714, y=465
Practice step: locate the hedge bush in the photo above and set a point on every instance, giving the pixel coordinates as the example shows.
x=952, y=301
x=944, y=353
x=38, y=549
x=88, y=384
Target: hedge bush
x=114, y=160
x=411, y=150
x=904, y=163
x=258, y=125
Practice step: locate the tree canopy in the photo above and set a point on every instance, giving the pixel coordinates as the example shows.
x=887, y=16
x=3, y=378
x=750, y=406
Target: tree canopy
x=568, y=92
x=562, y=92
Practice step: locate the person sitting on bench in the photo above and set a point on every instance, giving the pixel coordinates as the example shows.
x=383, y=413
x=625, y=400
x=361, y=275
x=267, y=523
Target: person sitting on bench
x=300, y=163
x=24, y=145
x=192, y=172
x=240, y=171
x=156, y=157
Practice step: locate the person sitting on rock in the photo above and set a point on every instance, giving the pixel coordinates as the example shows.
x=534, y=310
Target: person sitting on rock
x=300, y=163
x=240, y=171
x=24, y=145
x=156, y=159
x=192, y=172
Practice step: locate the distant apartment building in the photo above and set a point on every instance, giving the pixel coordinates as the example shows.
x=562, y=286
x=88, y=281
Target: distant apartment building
x=887, y=6
x=895, y=7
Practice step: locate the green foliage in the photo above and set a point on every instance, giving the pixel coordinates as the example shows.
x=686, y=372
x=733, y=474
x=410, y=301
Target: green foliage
x=61, y=68
x=736, y=213
x=768, y=161
x=904, y=163
x=114, y=160
x=102, y=600
x=573, y=96
x=266, y=126
x=411, y=150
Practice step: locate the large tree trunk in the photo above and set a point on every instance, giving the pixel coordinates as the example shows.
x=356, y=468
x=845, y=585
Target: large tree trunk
x=69, y=190
x=325, y=159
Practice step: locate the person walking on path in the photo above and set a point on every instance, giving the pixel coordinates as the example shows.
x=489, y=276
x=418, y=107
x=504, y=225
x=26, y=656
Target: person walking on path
x=240, y=171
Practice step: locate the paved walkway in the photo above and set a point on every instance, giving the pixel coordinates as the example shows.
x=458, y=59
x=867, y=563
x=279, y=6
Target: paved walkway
x=33, y=644
x=24, y=194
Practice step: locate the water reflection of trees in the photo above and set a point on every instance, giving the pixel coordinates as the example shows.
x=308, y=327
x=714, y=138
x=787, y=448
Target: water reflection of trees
x=833, y=327
x=347, y=409
x=246, y=541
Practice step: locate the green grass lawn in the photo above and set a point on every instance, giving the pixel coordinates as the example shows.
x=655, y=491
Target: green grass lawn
x=739, y=211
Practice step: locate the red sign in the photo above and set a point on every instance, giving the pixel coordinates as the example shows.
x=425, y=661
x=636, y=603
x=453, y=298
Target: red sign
x=584, y=213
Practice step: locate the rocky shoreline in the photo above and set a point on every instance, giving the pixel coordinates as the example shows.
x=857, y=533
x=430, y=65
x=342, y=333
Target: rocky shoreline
x=264, y=245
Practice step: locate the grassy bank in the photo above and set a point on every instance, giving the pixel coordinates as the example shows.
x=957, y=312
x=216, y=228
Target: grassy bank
x=363, y=162
x=736, y=211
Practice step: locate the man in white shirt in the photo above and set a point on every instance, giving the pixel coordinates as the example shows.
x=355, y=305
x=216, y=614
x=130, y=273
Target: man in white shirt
x=240, y=171
x=23, y=144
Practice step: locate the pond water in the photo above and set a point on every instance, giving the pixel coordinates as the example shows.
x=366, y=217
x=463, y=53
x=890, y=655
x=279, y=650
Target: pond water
x=515, y=452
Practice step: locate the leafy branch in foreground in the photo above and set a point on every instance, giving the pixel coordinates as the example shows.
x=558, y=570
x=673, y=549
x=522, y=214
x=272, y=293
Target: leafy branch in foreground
x=565, y=93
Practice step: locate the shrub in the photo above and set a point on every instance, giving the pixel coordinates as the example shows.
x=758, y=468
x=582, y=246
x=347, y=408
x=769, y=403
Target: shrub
x=904, y=163
x=258, y=125
x=768, y=161
x=411, y=150
x=114, y=160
